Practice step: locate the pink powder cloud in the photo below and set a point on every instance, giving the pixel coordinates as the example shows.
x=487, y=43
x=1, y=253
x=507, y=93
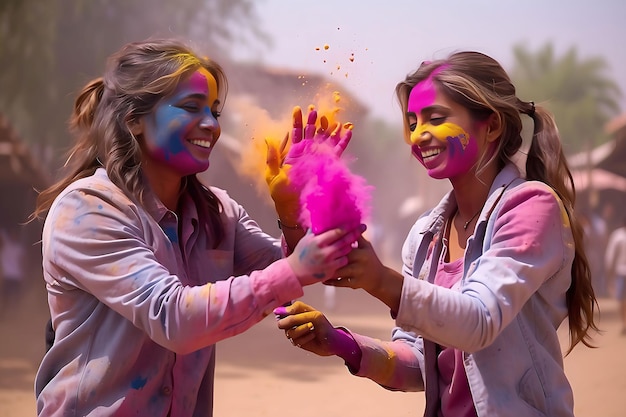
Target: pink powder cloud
x=332, y=196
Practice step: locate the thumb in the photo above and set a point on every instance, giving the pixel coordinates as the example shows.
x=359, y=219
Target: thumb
x=363, y=243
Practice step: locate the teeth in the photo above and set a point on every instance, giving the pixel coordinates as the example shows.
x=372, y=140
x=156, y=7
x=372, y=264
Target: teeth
x=430, y=153
x=202, y=143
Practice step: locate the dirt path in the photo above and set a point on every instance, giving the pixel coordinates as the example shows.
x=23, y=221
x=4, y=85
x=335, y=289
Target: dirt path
x=260, y=374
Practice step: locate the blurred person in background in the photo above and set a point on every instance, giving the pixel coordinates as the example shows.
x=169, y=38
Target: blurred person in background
x=147, y=268
x=616, y=269
x=12, y=265
x=489, y=274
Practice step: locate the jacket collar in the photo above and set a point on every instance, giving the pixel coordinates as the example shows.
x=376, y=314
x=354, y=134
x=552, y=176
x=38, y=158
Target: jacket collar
x=447, y=205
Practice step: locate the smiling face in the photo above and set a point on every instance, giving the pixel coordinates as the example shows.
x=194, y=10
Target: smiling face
x=180, y=133
x=444, y=138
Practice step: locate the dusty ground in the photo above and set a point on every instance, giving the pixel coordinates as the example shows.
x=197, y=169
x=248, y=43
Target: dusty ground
x=260, y=374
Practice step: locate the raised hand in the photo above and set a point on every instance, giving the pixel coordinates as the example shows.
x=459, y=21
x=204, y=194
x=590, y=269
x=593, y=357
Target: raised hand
x=335, y=135
x=305, y=139
x=285, y=196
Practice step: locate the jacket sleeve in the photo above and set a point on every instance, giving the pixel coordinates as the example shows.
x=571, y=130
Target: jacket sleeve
x=395, y=365
x=96, y=242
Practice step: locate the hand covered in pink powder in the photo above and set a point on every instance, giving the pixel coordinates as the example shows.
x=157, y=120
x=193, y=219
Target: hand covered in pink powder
x=335, y=136
x=331, y=196
x=328, y=138
x=317, y=257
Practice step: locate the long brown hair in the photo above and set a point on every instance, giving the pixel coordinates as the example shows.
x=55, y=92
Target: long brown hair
x=479, y=83
x=137, y=77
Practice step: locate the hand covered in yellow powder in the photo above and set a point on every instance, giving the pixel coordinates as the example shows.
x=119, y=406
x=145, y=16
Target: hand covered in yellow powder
x=286, y=198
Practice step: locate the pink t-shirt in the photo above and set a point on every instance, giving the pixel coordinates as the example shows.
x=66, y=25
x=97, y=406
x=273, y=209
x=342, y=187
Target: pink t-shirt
x=456, y=399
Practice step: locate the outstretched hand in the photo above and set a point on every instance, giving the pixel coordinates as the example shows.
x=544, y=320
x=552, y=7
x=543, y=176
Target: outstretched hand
x=365, y=270
x=307, y=328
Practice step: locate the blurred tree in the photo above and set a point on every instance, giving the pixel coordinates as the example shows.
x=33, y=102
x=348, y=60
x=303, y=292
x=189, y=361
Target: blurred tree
x=582, y=98
x=50, y=48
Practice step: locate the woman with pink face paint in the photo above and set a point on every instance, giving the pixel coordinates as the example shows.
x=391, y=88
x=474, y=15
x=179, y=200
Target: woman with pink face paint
x=146, y=267
x=489, y=274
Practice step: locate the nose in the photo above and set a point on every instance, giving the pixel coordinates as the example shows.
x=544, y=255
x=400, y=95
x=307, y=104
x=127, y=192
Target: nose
x=209, y=121
x=419, y=136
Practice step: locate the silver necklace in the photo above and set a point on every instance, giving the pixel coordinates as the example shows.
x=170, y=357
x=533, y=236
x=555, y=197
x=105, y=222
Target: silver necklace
x=470, y=220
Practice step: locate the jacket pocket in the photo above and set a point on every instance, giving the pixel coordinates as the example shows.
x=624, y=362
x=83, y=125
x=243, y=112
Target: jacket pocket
x=530, y=390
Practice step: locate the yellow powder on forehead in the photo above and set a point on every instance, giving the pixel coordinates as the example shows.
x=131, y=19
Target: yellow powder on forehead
x=185, y=60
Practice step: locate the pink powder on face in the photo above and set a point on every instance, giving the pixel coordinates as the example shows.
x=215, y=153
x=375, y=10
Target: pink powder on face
x=332, y=196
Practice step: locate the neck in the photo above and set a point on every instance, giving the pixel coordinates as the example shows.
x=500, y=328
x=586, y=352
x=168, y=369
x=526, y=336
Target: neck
x=471, y=192
x=165, y=184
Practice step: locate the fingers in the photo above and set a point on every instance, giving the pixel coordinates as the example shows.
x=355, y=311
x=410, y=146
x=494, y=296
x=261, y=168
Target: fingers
x=309, y=129
x=273, y=159
x=295, y=317
x=298, y=332
x=343, y=282
x=284, y=148
x=297, y=124
x=343, y=141
x=340, y=237
x=323, y=129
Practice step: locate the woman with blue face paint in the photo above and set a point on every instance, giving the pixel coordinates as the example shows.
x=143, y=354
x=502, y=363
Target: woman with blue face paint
x=146, y=267
x=489, y=274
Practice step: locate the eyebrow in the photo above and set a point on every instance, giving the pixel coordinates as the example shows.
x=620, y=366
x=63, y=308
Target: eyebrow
x=200, y=96
x=430, y=109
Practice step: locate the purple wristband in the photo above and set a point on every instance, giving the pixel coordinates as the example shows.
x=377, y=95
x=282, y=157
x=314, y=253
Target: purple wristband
x=347, y=348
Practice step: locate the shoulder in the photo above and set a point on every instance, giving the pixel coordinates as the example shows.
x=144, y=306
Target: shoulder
x=532, y=208
x=93, y=193
x=533, y=192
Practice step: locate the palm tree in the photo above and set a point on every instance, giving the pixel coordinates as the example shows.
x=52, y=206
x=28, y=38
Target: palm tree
x=582, y=98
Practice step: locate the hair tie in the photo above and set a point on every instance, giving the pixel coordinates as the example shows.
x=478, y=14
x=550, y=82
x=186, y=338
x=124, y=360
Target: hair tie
x=531, y=112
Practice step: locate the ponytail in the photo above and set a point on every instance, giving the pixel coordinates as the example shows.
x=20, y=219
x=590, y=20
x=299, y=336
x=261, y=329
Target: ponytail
x=547, y=163
x=82, y=159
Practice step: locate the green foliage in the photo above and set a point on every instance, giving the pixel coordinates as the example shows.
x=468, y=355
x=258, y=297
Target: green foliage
x=582, y=98
x=51, y=48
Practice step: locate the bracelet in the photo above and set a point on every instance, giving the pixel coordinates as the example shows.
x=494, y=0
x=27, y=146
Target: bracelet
x=282, y=226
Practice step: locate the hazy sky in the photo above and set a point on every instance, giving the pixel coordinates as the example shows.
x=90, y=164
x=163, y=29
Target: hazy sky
x=388, y=39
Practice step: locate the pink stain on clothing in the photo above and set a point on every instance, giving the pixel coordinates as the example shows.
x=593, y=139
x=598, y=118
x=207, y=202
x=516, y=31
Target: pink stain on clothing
x=332, y=196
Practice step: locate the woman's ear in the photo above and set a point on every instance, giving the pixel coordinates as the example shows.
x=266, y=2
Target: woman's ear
x=494, y=127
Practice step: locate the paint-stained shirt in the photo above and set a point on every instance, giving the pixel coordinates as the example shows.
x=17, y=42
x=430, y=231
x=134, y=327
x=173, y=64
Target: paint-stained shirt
x=139, y=297
x=505, y=315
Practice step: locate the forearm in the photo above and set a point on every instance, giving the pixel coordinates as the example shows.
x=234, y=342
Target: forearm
x=347, y=349
x=389, y=289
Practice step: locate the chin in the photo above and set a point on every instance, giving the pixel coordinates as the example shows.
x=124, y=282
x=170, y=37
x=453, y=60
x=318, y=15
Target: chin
x=437, y=175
